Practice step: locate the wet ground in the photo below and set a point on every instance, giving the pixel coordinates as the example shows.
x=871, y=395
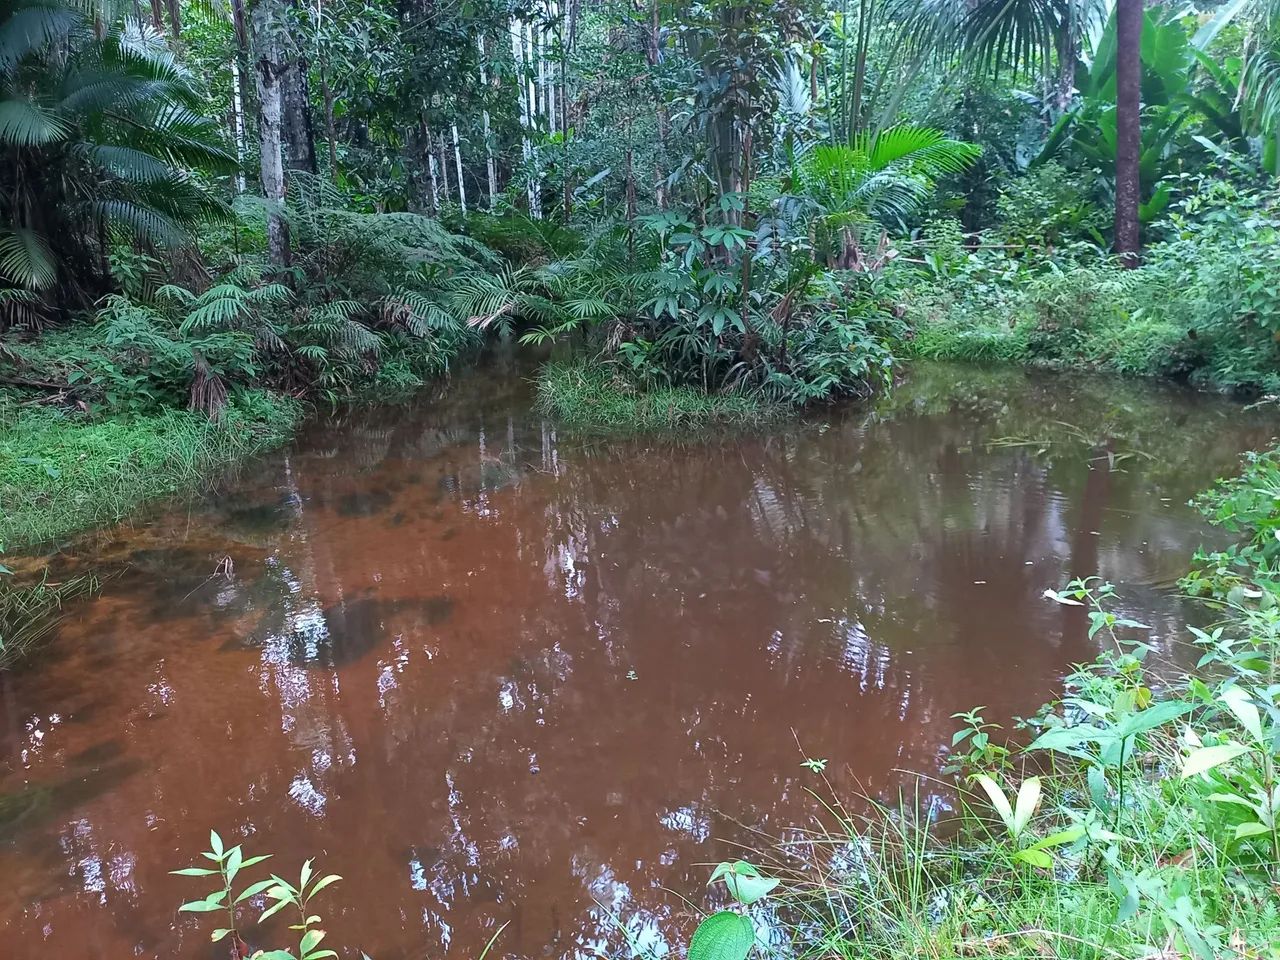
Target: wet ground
x=493, y=674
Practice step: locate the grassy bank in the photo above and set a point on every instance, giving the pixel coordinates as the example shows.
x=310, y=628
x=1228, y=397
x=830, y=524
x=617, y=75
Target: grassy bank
x=61, y=472
x=590, y=396
x=1203, y=305
x=1138, y=816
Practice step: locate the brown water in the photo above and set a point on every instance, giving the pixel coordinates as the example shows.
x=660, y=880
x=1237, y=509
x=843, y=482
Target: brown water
x=491, y=673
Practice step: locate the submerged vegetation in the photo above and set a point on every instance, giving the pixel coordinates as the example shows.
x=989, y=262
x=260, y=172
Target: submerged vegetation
x=581, y=394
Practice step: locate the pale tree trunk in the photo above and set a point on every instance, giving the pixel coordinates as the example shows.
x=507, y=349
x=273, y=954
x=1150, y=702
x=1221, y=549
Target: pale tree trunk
x=457, y=159
x=490, y=163
x=237, y=124
x=518, y=34
x=266, y=29
x=444, y=171
x=664, y=123
x=1128, y=129
x=299, y=133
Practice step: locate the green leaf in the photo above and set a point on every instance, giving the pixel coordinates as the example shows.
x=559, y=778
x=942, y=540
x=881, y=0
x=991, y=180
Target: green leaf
x=1251, y=830
x=1206, y=758
x=215, y=843
x=193, y=872
x=254, y=889
x=219, y=934
x=310, y=940
x=1037, y=858
x=323, y=882
x=722, y=936
x=748, y=889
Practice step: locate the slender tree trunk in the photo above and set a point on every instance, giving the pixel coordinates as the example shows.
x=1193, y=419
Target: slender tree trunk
x=663, y=120
x=444, y=171
x=330, y=132
x=491, y=166
x=457, y=159
x=157, y=16
x=420, y=169
x=266, y=29
x=240, y=29
x=175, y=20
x=237, y=123
x=1128, y=129
x=520, y=43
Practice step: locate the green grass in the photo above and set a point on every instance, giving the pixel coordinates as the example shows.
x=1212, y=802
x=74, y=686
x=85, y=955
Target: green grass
x=30, y=611
x=63, y=472
x=589, y=396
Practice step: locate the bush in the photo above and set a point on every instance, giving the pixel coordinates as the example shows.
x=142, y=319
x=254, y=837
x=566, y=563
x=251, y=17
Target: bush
x=1204, y=305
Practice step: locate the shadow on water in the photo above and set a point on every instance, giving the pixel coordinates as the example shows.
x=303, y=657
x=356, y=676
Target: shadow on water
x=491, y=673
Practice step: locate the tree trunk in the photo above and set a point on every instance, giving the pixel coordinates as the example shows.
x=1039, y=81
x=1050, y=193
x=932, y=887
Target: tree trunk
x=457, y=159
x=266, y=29
x=237, y=123
x=240, y=29
x=330, y=133
x=491, y=166
x=421, y=173
x=1128, y=128
x=299, y=135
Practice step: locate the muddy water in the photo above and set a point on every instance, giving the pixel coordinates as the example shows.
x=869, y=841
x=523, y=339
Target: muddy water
x=491, y=674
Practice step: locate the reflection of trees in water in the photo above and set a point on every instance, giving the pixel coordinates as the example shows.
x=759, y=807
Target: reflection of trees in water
x=454, y=721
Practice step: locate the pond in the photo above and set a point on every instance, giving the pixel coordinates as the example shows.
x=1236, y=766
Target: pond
x=490, y=673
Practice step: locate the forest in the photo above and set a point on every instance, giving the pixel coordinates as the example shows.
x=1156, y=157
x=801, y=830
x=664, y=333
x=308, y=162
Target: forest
x=223, y=221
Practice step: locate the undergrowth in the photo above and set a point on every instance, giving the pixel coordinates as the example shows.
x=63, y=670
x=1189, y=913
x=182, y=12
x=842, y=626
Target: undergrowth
x=62, y=471
x=591, y=396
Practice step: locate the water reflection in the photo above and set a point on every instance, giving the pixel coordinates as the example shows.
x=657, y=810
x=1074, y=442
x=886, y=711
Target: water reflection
x=489, y=673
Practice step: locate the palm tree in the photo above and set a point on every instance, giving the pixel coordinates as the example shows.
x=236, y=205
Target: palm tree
x=99, y=128
x=1128, y=129
x=876, y=180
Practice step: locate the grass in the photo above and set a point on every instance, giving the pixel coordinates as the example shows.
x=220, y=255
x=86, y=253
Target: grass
x=590, y=396
x=30, y=612
x=62, y=472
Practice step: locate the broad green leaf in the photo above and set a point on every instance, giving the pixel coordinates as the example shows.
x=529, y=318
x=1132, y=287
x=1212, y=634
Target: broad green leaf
x=1251, y=830
x=722, y=936
x=215, y=843
x=1244, y=710
x=1037, y=858
x=219, y=934
x=1206, y=758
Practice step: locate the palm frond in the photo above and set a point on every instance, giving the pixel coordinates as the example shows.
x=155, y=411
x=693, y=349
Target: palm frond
x=26, y=260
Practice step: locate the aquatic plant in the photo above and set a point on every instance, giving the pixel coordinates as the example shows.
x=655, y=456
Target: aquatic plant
x=589, y=395
x=30, y=612
x=228, y=862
